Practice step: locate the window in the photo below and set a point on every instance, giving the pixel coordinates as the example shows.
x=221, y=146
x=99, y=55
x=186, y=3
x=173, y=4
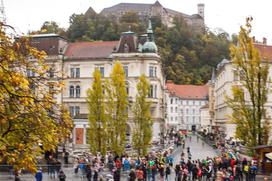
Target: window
x=171, y=109
x=176, y=118
x=77, y=91
x=127, y=88
x=176, y=109
x=74, y=72
x=30, y=73
x=51, y=72
x=126, y=70
x=74, y=110
x=171, y=118
x=171, y=100
x=187, y=111
x=235, y=75
x=77, y=72
x=153, y=91
x=102, y=70
x=32, y=86
x=72, y=91
x=176, y=100
x=152, y=71
x=193, y=111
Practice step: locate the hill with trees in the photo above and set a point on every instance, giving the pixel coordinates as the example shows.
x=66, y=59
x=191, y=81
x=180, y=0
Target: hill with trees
x=187, y=56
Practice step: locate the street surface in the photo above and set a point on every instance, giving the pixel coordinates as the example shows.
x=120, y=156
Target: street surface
x=198, y=148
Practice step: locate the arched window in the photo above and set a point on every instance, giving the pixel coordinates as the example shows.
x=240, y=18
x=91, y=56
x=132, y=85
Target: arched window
x=72, y=91
x=77, y=91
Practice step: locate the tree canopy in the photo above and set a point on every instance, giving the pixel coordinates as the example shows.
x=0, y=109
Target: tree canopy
x=31, y=121
x=142, y=132
x=249, y=112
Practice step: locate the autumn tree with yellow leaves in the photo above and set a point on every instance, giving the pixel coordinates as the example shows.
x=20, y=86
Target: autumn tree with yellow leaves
x=97, y=120
x=142, y=132
x=29, y=115
x=249, y=114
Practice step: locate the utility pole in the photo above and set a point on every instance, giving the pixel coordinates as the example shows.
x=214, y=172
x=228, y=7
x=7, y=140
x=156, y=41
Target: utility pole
x=2, y=12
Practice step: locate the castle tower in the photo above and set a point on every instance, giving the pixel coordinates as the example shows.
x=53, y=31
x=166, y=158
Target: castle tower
x=2, y=12
x=200, y=9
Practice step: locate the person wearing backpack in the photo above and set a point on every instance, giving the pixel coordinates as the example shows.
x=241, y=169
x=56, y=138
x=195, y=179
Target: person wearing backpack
x=62, y=176
x=140, y=174
x=132, y=175
x=199, y=173
x=246, y=172
x=167, y=172
x=161, y=172
x=252, y=172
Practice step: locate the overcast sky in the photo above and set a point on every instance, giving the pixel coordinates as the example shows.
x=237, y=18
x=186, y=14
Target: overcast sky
x=226, y=14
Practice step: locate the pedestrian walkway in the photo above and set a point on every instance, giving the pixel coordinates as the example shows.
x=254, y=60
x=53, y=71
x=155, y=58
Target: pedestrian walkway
x=199, y=149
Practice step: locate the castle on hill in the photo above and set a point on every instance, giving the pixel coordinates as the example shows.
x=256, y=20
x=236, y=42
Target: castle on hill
x=145, y=11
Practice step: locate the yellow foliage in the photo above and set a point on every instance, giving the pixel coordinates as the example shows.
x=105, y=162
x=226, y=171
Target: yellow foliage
x=27, y=117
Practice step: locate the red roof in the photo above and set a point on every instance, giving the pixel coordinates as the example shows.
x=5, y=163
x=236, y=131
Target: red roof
x=98, y=49
x=264, y=50
x=188, y=91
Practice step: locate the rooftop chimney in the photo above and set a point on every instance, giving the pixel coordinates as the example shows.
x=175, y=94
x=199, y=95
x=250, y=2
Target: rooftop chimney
x=264, y=41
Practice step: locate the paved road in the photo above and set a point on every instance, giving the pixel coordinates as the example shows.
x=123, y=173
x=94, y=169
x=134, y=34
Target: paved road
x=199, y=150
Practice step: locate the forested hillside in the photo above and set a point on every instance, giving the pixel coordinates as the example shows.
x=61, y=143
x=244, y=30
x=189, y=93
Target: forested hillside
x=187, y=57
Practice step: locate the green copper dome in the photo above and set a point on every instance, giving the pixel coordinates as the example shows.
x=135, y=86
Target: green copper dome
x=149, y=46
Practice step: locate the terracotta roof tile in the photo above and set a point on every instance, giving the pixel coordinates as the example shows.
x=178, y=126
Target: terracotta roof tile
x=99, y=49
x=265, y=51
x=188, y=91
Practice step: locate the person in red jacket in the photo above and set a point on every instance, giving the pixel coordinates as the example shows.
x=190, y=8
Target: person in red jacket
x=118, y=164
x=140, y=174
x=232, y=163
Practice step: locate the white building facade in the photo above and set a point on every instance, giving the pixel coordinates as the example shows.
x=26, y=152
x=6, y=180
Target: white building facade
x=205, y=119
x=183, y=106
x=79, y=60
x=226, y=77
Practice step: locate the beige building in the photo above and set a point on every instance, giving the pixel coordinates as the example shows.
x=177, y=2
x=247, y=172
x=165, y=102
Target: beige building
x=226, y=77
x=79, y=60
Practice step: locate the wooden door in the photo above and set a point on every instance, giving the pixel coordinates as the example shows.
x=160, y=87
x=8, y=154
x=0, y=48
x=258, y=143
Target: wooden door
x=79, y=136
